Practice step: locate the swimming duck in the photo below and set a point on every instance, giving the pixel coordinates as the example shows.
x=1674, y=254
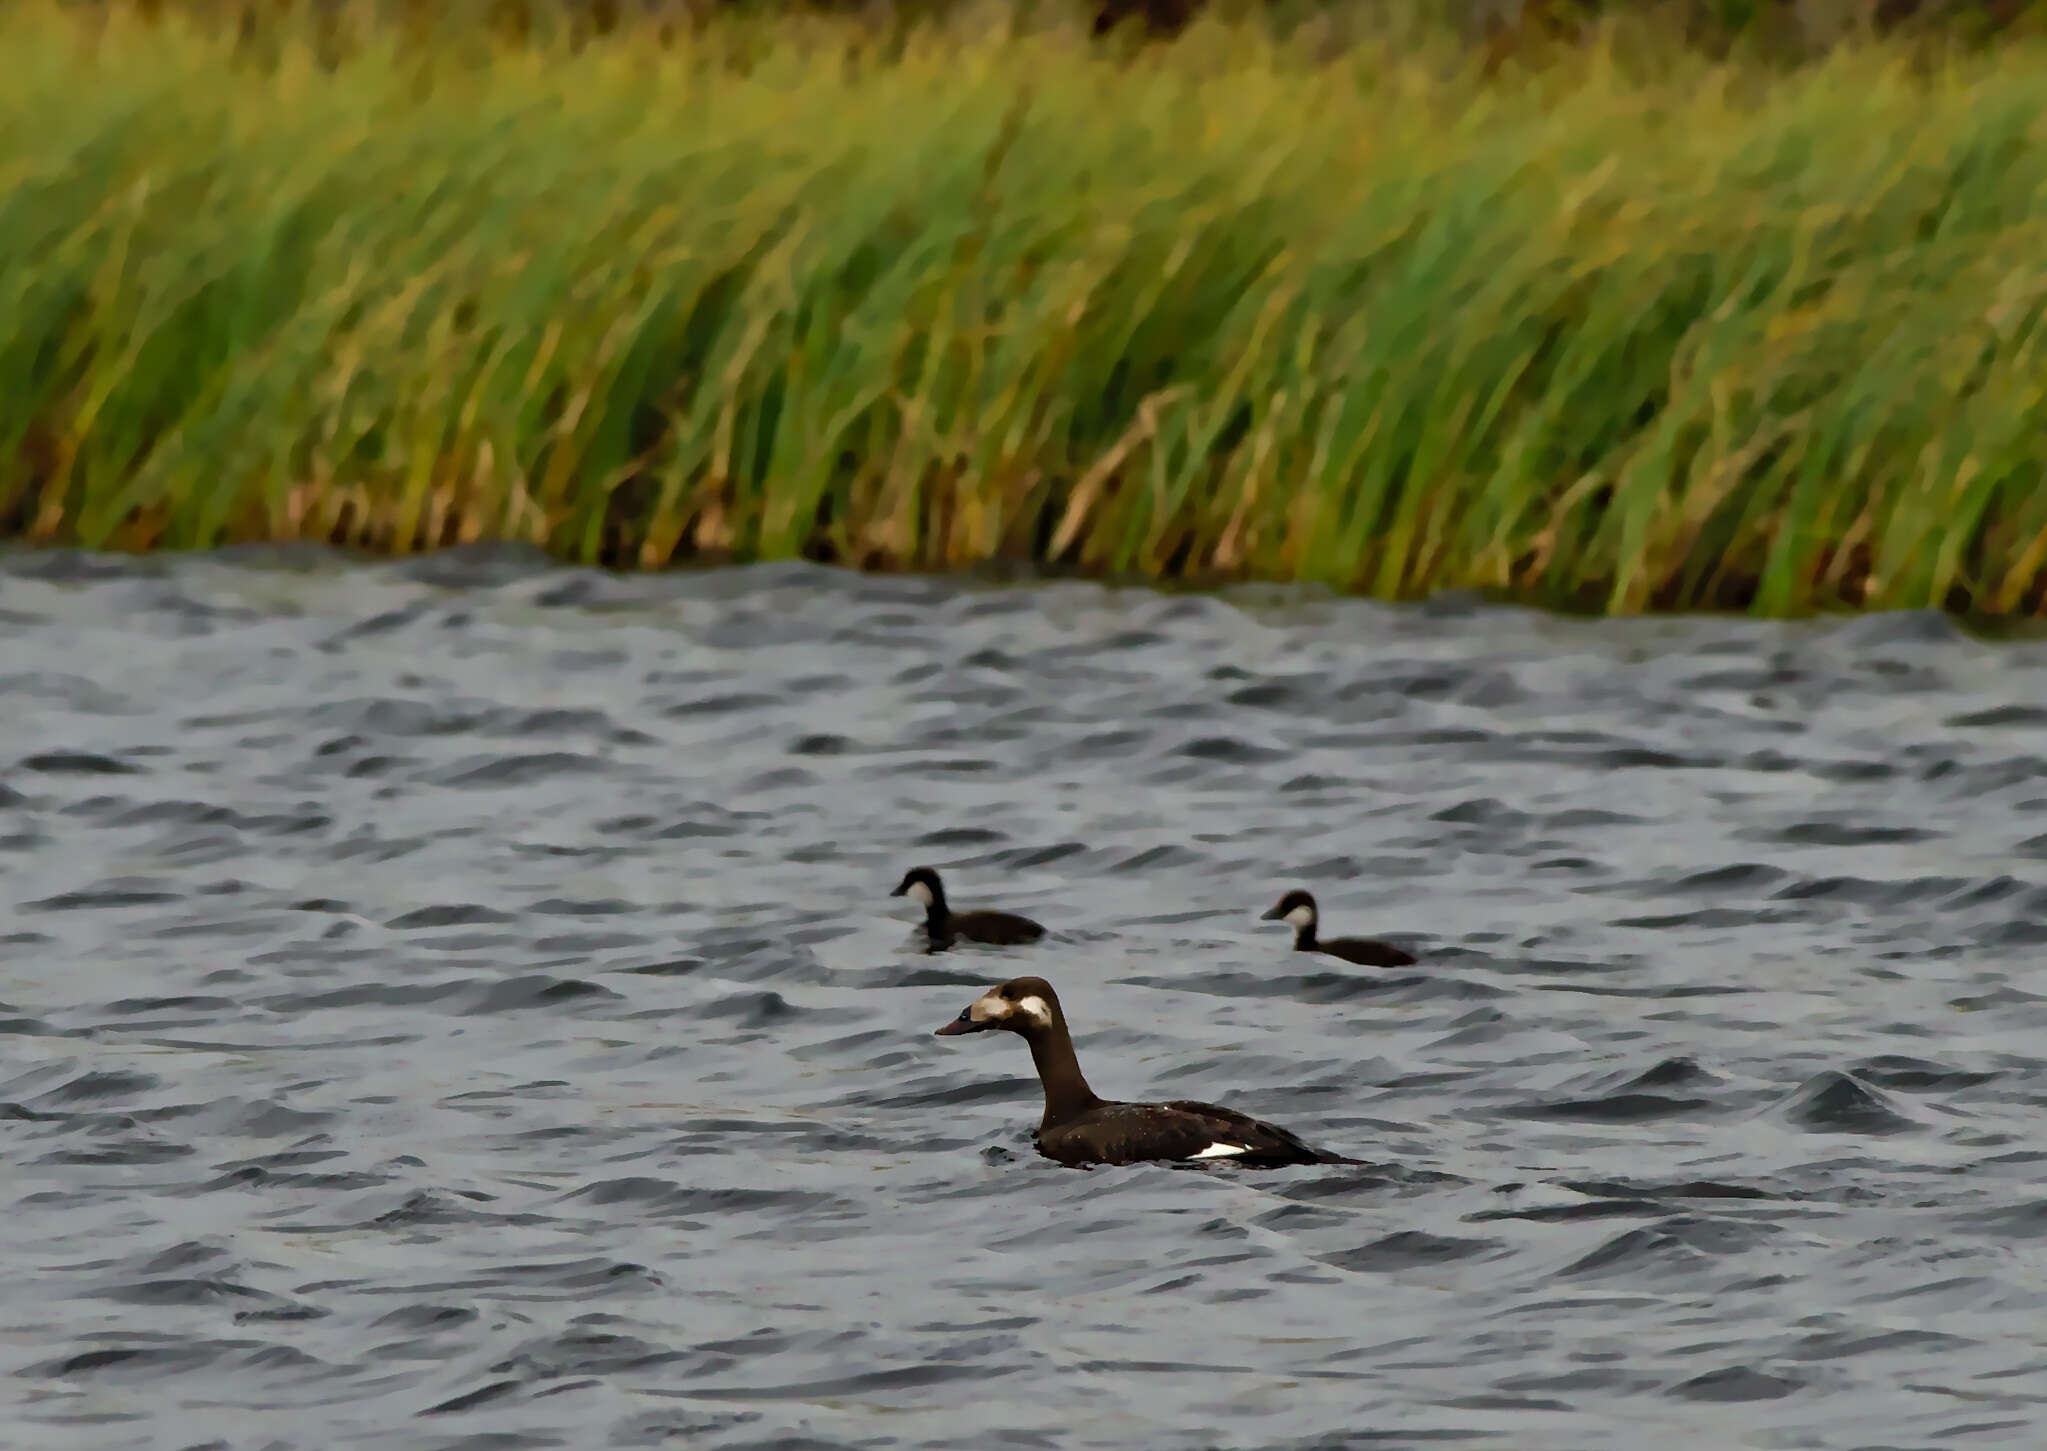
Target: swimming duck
x=1080, y=1128
x=1297, y=910
x=943, y=926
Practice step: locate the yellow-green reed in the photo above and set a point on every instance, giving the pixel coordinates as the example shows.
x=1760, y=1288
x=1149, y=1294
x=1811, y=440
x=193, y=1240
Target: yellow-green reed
x=1632, y=331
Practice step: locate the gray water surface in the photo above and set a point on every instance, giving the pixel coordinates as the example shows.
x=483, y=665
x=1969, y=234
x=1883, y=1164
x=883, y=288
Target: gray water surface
x=458, y=1004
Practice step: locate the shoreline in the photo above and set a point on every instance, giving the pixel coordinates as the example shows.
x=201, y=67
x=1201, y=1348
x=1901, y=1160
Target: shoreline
x=1622, y=335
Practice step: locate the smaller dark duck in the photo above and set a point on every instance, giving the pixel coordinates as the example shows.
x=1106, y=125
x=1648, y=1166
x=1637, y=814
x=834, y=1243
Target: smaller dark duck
x=1080, y=1129
x=943, y=926
x=1297, y=910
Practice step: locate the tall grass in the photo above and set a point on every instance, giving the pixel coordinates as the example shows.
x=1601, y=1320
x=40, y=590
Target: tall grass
x=1632, y=331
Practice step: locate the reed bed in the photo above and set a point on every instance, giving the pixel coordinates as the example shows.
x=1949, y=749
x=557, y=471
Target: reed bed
x=1631, y=330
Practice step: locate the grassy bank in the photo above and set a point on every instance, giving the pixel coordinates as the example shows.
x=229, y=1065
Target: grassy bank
x=1629, y=331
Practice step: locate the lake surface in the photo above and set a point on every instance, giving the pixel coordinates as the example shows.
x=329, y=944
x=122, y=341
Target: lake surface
x=458, y=1004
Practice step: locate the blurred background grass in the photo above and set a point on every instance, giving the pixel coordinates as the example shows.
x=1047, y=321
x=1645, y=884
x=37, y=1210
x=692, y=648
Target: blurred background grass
x=1685, y=305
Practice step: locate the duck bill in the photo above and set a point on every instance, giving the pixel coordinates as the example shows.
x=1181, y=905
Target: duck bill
x=1272, y=916
x=961, y=1024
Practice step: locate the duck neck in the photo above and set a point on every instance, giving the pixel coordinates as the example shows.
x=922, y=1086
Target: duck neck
x=1304, y=937
x=1066, y=1091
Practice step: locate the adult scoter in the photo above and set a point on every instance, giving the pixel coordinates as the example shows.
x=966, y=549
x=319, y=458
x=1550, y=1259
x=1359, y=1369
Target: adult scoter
x=943, y=926
x=1080, y=1128
x=1297, y=910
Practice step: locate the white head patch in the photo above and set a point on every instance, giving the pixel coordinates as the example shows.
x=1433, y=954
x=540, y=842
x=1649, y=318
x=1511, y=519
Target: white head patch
x=1301, y=916
x=1221, y=1151
x=920, y=893
x=993, y=1007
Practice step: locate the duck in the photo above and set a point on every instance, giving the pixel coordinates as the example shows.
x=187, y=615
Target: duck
x=1081, y=1129
x=943, y=926
x=1297, y=910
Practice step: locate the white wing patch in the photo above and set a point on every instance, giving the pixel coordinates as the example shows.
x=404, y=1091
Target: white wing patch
x=1033, y=1007
x=1222, y=1151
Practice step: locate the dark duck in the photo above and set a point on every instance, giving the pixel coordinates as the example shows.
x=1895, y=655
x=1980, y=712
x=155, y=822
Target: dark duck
x=1297, y=910
x=943, y=926
x=1081, y=1129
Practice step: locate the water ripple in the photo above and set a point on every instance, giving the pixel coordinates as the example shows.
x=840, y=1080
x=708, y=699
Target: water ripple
x=456, y=1003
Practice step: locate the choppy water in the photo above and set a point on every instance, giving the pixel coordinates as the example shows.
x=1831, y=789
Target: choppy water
x=458, y=1004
